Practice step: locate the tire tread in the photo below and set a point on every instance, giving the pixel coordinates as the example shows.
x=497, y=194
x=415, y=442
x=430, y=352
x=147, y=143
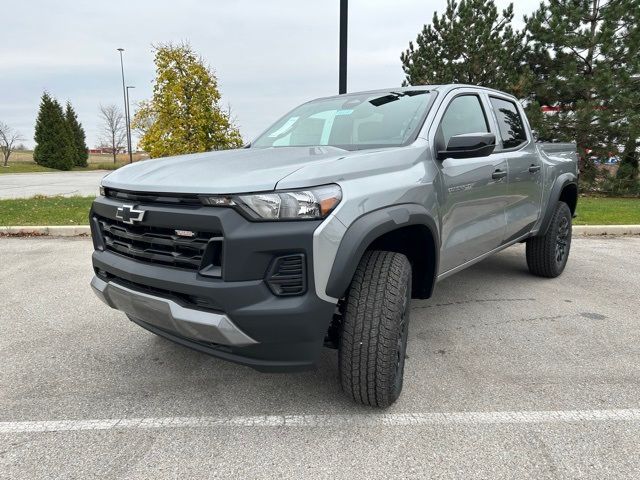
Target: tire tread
x=368, y=341
x=540, y=250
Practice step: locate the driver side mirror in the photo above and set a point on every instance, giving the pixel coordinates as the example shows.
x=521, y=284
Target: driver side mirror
x=469, y=145
x=535, y=135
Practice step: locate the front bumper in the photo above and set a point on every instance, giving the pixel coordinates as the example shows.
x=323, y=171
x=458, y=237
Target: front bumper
x=168, y=315
x=236, y=316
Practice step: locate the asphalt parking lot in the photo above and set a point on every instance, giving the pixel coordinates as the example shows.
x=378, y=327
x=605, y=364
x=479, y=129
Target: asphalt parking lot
x=25, y=185
x=508, y=376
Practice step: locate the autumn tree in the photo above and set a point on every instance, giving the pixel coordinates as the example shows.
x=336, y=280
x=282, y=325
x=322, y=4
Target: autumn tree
x=470, y=43
x=184, y=115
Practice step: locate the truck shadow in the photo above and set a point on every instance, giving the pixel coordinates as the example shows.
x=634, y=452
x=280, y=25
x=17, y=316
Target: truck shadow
x=239, y=390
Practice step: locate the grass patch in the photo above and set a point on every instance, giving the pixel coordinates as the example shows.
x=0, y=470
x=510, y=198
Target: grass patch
x=24, y=167
x=101, y=166
x=608, y=211
x=22, y=162
x=45, y=211
x=32, y=167
x=75, y=211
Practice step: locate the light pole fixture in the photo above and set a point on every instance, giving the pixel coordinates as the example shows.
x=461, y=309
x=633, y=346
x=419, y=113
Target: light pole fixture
x=342, y=73
x=129, y=125
x=126, y=107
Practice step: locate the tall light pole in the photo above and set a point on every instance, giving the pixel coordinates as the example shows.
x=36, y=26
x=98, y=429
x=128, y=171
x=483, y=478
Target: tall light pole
x=126, y=107
x=342, y=73
x=129, y=125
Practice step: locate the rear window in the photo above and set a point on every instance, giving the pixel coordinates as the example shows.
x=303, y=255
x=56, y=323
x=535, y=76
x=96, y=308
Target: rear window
x=510, y=123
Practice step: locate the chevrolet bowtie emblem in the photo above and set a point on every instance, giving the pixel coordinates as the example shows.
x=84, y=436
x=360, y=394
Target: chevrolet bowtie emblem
x=128, y=214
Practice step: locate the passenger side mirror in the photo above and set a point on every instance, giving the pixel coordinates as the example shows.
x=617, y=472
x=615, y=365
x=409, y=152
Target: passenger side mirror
x=469, y=145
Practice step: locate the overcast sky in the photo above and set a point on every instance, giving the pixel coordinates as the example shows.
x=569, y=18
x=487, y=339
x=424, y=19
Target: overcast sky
x=268, y=56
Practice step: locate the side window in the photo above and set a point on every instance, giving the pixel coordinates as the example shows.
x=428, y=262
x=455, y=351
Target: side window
x=509, y=122
x=464, y=115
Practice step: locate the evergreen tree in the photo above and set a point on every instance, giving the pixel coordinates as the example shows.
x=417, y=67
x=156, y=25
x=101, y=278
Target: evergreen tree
x=586, y=59
x=471, y=43
x=79, y=138
x=184, y=115
x=54, y=142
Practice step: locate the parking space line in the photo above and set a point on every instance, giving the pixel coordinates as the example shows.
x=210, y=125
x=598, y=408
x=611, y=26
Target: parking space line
x=324, y=421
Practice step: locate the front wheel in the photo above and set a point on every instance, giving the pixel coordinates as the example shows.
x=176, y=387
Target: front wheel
x=373, y=339
x=547, y=255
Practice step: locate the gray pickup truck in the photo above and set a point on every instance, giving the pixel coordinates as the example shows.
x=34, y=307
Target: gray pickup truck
x=322, y=230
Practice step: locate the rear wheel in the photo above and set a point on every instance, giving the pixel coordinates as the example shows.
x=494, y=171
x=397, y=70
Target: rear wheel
x=547, y=255
x=373, y=337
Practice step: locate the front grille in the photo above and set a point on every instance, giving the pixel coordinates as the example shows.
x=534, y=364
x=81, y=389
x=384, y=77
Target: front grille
x=165, y=198
x=287, y=275
x=163, y=245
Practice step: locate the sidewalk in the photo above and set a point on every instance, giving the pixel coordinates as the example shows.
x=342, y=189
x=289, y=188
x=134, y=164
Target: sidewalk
x=26, y=185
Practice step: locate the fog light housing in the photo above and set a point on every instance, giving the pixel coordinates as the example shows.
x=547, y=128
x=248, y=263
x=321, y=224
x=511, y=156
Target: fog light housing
x=287, y=275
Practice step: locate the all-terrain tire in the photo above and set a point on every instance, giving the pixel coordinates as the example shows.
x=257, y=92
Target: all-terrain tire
x=547, y=255
x=373, y=337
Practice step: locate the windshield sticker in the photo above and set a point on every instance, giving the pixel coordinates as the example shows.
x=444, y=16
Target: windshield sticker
x=344, y=112
x=287, y=125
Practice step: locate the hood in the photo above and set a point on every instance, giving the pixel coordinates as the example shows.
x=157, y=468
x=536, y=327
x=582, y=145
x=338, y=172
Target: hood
x=229, y=171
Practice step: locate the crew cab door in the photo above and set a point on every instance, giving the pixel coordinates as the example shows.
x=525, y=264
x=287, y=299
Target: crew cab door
x=473, y=190
x=515, y=144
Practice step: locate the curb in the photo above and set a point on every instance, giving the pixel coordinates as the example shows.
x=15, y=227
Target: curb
x=59, y=171
x=85, y=231
x=589, y=230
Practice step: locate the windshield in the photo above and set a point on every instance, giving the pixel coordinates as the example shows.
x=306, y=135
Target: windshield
x=351, y=122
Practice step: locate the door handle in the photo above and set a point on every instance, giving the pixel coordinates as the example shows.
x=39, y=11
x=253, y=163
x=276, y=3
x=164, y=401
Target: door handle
x=534, y=168
x=498, y=174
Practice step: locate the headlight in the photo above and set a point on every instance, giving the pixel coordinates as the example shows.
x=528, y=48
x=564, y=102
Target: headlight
x=102, y=191
x=312, y=203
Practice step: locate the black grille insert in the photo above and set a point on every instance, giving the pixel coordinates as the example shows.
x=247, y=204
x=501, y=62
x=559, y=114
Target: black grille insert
x=166, y=198
x=287, y=275
x=163, y=245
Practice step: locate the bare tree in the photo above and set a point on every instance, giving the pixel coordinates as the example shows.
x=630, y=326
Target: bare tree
x=114, y=130
x=8, y=139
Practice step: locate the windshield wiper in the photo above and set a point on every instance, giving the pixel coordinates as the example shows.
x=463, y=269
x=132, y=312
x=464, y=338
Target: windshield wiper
x=393, y=96
x=411, y=93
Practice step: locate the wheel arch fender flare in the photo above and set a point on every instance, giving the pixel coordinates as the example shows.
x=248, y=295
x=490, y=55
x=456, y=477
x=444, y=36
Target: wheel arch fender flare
x=365, y=230
x=560, y=184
